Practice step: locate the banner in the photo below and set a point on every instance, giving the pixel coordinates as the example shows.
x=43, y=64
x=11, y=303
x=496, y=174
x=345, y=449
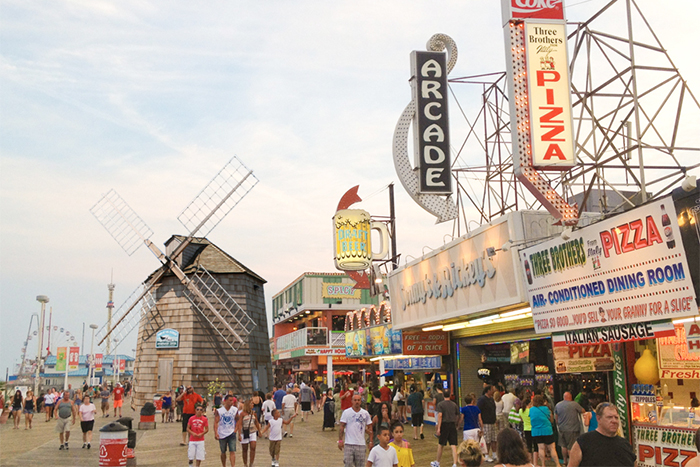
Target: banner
x=61, y=357
x=655, y=445
x=583, y=358
x=74, y=358
x=617, y=333
x=626, y=269
x=413, y=363
x=620, y=387
x=519, y=352
x=426, y=343
x=673, y=355
x=98, y=362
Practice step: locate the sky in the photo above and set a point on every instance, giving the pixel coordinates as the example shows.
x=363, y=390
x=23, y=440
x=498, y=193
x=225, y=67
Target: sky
x=152, y=98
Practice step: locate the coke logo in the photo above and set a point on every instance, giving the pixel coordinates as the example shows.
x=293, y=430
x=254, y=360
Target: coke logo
x=536, y=4
x=549, y=9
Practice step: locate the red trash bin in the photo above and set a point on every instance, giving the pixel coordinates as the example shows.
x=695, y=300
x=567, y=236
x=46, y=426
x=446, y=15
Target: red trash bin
x=113, y=440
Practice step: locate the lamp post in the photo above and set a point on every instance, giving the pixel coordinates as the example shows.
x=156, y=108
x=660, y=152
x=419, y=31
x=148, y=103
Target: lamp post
x=43, y=299
x=92, y=354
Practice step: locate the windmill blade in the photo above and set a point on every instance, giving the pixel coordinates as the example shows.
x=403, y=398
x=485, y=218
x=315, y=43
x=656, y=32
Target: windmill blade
x=141, y=302
x=222, y=312
x=122, y=222
x=217, y=199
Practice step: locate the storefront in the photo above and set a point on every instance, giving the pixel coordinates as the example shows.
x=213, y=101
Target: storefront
x=473, y=288
x=620, y=301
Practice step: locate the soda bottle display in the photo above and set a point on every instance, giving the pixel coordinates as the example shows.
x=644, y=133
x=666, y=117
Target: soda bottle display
x=528, y=272
x=668, y=230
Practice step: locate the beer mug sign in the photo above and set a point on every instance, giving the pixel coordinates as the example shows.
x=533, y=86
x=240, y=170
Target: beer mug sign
x=353, y=240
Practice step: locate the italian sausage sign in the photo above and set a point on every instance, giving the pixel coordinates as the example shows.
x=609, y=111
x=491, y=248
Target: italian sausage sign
x=630, y=268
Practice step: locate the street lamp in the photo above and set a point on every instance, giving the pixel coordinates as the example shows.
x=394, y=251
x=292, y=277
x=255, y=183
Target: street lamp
x=92, y=354
x=43, y=299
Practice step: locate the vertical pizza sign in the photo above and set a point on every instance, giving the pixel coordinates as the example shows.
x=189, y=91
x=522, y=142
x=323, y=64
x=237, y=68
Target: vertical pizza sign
x=551, y=125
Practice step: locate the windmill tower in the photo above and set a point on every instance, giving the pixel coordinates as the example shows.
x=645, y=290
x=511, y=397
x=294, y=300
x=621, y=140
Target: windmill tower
x=213, y=302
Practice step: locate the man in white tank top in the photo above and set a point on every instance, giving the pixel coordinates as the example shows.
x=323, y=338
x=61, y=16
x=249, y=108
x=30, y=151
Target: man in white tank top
x=226, y=419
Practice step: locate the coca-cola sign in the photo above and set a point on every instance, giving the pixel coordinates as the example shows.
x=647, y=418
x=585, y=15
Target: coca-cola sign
x=536, y=9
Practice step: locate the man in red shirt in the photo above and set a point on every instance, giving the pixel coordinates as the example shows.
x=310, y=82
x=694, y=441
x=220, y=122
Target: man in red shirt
x=118, y=399
x=189, y=399
x=386, y=392
x=197, y=427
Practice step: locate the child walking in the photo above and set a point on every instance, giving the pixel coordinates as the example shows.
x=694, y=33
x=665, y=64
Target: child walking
x=403, y=448
x=197, y=427
x=275, y=428
x=383, y=455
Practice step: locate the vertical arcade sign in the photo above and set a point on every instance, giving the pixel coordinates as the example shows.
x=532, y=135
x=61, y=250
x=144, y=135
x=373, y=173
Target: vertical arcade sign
x=431, y=135
x=540, y=98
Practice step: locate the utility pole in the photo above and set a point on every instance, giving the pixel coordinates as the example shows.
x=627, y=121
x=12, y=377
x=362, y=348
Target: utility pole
x=110, y=307
x=392, y=227
x=43, y=299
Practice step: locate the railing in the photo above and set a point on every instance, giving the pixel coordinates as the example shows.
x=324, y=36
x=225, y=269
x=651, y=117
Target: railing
x=337, y=339
x=303, y=338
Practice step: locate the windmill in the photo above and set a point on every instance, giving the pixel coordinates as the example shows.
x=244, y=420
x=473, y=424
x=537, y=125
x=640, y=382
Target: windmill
x=216, y=308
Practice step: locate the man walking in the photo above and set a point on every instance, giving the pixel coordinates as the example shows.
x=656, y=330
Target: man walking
x=63, y=410
x=448, y=418
x=118, y=399
x=104, y=395
x=226, y=420
x=277, y=396
x=487, y=406
x=602, y=447
x=566, y=414
x=197, y=427
x=415, y=402
x=354, y=422
x=290, y=405
x=305, y=396
x=189, y=400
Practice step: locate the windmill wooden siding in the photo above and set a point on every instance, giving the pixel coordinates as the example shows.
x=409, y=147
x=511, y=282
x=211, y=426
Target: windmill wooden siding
x=203, y=355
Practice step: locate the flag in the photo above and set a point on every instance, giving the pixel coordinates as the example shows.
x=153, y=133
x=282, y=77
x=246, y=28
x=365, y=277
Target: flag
x=73, y=358
x=61, y=359
x=98, y=362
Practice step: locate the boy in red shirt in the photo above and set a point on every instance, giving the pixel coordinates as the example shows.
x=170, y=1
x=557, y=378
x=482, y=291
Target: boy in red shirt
x=118, y=399
x=197, y=427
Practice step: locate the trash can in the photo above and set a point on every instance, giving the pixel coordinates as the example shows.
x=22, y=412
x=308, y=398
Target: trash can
x=113, y=441
x=148, y=417
x=126, y=421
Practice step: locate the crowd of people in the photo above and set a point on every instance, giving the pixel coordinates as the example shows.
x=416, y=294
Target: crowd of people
x=68, y=405
x=507, y=427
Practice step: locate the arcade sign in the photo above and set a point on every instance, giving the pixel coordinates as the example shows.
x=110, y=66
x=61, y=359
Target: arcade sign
x=431, y=132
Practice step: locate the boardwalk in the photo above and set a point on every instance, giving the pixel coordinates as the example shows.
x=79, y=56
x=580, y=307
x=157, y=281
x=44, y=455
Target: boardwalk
x=310, y=447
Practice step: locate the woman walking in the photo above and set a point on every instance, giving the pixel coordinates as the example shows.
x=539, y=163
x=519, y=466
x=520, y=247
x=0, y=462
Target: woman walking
x=338, y=405
x=511, y=450
x=49, y=401
x=29, y=403
x=381, y=420
x=400, y=400
x=17, y=404
x=87, y=412
x=328, y=411
x=257, y=405
x=542, y=433
x=250, y=427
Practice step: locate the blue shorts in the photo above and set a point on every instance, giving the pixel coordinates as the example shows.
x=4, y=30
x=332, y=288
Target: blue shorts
x=229, y=441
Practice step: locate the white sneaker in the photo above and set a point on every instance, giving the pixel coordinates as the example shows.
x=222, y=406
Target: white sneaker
x=434, y=464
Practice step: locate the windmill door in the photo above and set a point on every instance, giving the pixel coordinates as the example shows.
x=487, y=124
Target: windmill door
x=165, y=374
